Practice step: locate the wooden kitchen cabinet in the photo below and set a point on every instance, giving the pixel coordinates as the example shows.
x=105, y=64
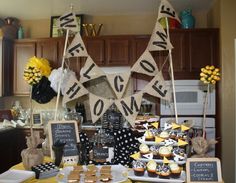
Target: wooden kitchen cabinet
x=110, y=50
x=23, y=50
x=6, y=78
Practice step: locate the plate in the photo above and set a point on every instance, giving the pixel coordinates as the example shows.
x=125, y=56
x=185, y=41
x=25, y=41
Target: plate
x=146, y=178
x=16, y=176
x=118, y=173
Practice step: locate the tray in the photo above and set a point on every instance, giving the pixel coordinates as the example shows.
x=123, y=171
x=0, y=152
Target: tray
x=160, y=161
x=146, y=178
x=118, y=173
x=16, y=176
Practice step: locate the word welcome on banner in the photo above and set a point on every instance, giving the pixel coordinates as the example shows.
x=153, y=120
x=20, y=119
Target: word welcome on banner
x=128, y=106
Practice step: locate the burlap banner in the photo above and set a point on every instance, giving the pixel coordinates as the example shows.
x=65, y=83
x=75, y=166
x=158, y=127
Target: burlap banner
x=118, y=82
x=76, y=48
x=73, y=90
x=68, y=21
x=90, y=71
x=145, y=64
x=129, y=106
x=98, y=106
x=166, y=10
x=157, y=88
x=159, y=39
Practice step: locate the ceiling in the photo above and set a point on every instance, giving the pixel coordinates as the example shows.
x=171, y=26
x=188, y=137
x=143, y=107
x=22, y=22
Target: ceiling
x=44, y=9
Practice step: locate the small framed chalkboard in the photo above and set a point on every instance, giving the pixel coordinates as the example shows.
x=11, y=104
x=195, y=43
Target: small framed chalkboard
x=37, y=119
x=202, y=170
x=66, y=132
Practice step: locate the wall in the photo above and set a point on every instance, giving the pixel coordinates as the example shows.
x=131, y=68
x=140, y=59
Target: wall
x=112, y=25
x=222, y=15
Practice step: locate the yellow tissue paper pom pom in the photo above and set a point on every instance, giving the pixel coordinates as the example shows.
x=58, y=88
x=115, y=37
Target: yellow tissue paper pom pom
x=35, y=69
x=210, y=74
x=41, y=64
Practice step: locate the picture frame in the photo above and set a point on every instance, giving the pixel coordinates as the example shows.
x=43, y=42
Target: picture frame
x=37, y=119
x=57, y=32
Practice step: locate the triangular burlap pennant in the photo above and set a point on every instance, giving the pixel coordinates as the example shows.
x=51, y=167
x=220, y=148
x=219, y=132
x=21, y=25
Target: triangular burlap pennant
x=159, y=39
x=90, y=71
x=129, y=106
x=68, y=21
x=76, y=48
x=157, y=88
x=145, y=64
x=98, y=106
x=166, y=10
x=118, y=82
x=73, y=90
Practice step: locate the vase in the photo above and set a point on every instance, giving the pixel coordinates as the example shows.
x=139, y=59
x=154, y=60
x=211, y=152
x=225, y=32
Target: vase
x=58, y=153
x=187, y=19
x=32, y=157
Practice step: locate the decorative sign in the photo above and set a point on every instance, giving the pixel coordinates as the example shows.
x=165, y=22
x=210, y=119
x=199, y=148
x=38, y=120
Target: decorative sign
x=67, y=132
x=37, y=120
x=203, y=170
x=100, y=153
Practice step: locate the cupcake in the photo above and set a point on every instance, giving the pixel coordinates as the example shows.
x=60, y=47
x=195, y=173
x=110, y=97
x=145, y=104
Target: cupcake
x=181, y=136
x=151, y=168
x=138, y=167
x=179, y=154
x=164, y=135
x=165, y=151
x=175, y=170
x=155, y=151
x=158, y=169
x=173, y=134
x=164, y=172
x=149, y=136
x=144, y=149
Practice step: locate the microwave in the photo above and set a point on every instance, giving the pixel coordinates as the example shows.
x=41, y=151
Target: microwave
x=190, y=98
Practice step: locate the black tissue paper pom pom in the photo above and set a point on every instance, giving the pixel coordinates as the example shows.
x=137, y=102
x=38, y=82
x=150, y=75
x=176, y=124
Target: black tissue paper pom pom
x=42, y=91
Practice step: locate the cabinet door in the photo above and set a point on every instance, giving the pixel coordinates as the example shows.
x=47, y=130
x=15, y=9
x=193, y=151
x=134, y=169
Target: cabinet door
x=48, y=49
x=7, y=67
x=140, y=45
x=203, y=48
x=22, y=52
x=96, y=49
x=118, y=51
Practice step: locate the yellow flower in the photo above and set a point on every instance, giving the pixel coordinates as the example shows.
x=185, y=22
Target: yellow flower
x=210, y=74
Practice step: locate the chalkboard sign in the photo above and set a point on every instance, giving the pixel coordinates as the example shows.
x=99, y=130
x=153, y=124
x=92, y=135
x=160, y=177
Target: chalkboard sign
x=100, y=153
x=202, y=170
x=67, y=132
x=37, y=120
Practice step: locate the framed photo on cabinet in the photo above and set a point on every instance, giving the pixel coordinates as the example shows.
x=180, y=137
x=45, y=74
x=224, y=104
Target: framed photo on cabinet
x=55, y=31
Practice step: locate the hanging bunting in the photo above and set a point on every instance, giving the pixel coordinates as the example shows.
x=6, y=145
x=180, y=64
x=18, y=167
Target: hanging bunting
x=90, y=71
x=157, y=88
x=129, y=106
x=166, y=10
x=68, y=21
x=159, y=39
x=74, y=89
x=98, y=106
x=76, y=48
x=118, y=82
x=145, y=64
